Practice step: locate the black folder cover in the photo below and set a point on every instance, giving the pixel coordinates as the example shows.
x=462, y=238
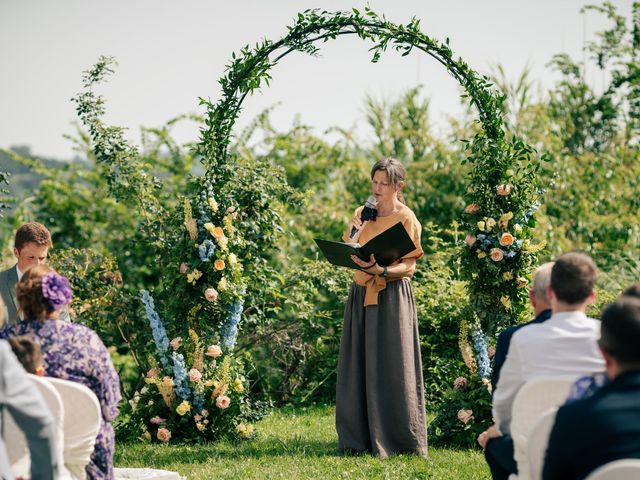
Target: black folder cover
x=387, y=247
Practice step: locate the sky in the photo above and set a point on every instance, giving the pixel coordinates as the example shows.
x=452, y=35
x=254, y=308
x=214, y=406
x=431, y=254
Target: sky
x=170, y=53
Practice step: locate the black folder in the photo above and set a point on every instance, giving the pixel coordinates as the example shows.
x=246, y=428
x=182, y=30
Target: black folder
x=387, y=247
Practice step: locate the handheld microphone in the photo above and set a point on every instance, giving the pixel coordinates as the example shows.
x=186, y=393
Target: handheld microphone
x=369, y=212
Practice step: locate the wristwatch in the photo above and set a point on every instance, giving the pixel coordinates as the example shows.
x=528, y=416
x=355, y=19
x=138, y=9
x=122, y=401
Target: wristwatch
x=384, y=272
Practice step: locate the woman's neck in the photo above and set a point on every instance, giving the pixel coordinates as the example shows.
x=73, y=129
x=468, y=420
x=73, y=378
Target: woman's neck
x=388, y=208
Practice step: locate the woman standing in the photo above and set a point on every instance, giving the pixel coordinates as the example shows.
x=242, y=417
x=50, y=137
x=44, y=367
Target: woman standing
x=380, y=391
x=71, y=352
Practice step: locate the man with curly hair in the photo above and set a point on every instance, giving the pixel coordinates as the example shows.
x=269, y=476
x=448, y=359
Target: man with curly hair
x=31, y=247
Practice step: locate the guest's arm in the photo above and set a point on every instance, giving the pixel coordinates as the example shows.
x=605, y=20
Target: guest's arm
x=23, y=400
x=511, y=379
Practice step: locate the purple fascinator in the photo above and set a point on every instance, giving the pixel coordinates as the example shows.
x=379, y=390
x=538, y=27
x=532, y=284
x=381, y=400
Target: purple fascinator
x=56, y=289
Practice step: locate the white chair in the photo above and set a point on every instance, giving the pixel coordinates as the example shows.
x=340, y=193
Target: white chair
x=81, y=424
x=537, y=443
x=627, y=469
x=16, y=442
x=534, y=398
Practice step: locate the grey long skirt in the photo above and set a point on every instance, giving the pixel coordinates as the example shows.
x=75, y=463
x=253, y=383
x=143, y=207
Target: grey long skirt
x=380, y=390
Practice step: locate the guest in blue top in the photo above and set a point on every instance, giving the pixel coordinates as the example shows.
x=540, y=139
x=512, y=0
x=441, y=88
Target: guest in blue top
x=71, y=352
x=542, y=309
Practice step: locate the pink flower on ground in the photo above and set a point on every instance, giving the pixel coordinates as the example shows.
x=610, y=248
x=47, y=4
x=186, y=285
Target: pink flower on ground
x=496, y=254
x=158, y=420
x=223, y=402
x=214, y=351
x=176, y=343
x=163, y=435
x=211, y=294
x=153, y=373
x=194, y=375
x=465, y=416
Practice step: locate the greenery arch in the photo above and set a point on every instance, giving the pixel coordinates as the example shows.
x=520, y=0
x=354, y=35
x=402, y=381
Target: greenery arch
x=504, y=187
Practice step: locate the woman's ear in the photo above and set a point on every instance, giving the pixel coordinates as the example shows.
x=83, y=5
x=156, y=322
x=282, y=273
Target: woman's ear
x=400, y=184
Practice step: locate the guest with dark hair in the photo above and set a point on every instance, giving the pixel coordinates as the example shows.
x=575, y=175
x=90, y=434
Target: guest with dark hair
x=632, y=291
x=563, y=345
x=71, y=352
x=606, y=426
x=28, y=354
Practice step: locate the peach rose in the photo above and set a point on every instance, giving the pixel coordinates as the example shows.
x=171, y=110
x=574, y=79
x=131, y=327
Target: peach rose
x=194, y=375
x=219, y=264
x=184, y=268
x=200, y=427
x=222, y=241
x=211, y=294
x=496, y=254
x=506, y=239
x=214, y=351
x=503, y=190
x=470, y=240
x=176, y=343
x=163, y=435
x=223, y=402
x=472, y=208
x=465, y=416
x=217, y=232
x=153, y=373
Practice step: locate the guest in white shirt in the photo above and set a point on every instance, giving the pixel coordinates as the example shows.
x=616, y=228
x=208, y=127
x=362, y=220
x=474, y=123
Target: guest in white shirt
x=31, y=247
x=566, y=344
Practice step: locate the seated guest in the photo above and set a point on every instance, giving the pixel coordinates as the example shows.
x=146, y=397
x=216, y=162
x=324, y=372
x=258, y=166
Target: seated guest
x=28, y=354
x=542, y=309
x=563, y=345
x=632, y=291
x=71, y=352
x=20, y=397
x=606, y=426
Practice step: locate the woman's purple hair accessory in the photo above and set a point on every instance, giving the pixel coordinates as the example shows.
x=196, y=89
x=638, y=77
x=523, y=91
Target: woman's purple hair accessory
x=56, y=289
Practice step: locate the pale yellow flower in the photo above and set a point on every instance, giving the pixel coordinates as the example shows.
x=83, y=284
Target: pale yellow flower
x=506, y=302
x=232, y=259
x=213, y=204
x=222, y=284
x=481, y=226
x=183, y=408
x=490, y=224
x=238, y=387
x=481, y=254
x=507, y=275
x=192, y=277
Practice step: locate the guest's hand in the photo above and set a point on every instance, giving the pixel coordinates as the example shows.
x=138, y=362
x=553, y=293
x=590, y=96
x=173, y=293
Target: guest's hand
x=370, y=267
x=488, y=434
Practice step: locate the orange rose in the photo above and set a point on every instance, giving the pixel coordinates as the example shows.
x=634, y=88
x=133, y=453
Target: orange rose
x=219, y=264
x=496, y=254
x=217, y=232
x=506, y=239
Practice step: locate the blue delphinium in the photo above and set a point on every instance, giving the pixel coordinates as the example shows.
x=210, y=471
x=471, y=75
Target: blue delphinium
x=198, y=401
x=482, y=356
x=181, y=382
x=206, y=250
x=230, y=328
x=157, y=328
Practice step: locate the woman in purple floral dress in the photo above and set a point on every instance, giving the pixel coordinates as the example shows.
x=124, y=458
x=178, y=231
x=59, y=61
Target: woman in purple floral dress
x=71, y=352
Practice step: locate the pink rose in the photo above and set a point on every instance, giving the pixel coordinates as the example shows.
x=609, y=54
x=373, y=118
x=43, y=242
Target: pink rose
x=211, y=294
x=194, y=375
x=157, y=420
x=465, y=415
x=470, y=240
x=496, y=254
x=184, y=268
x=214, y=351
x=472, y=208
x=153, y=373
x=503, y=190
x=176, y=343
x=460, y=383
x=163, y=435
x=223, y=402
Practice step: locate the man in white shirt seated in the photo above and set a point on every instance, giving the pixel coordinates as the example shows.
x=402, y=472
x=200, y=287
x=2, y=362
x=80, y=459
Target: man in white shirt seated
x=566, y=344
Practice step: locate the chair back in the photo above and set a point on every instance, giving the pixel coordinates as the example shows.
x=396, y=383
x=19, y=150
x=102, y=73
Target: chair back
x=627, y=469
x=81, y=427
x=537, y=443
x=15, y=440
x=534, y=398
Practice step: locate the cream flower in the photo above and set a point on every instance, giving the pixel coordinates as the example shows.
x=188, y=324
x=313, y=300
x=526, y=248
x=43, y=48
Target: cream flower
x=213, y=204
x=222, y=284
x=200, y=427
x=232, y=259
x=517, y=228
x=490, y=224
x=214, y=351
x=506, y=302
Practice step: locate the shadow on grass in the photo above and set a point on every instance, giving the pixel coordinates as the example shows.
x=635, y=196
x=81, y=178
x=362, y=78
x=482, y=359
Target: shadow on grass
x=263, y=447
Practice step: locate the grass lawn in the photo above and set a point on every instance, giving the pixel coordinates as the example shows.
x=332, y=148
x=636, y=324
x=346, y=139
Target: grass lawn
x=298, y=444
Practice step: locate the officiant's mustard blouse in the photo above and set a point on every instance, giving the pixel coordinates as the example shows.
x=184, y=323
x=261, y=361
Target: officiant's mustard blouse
x=374, y=284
